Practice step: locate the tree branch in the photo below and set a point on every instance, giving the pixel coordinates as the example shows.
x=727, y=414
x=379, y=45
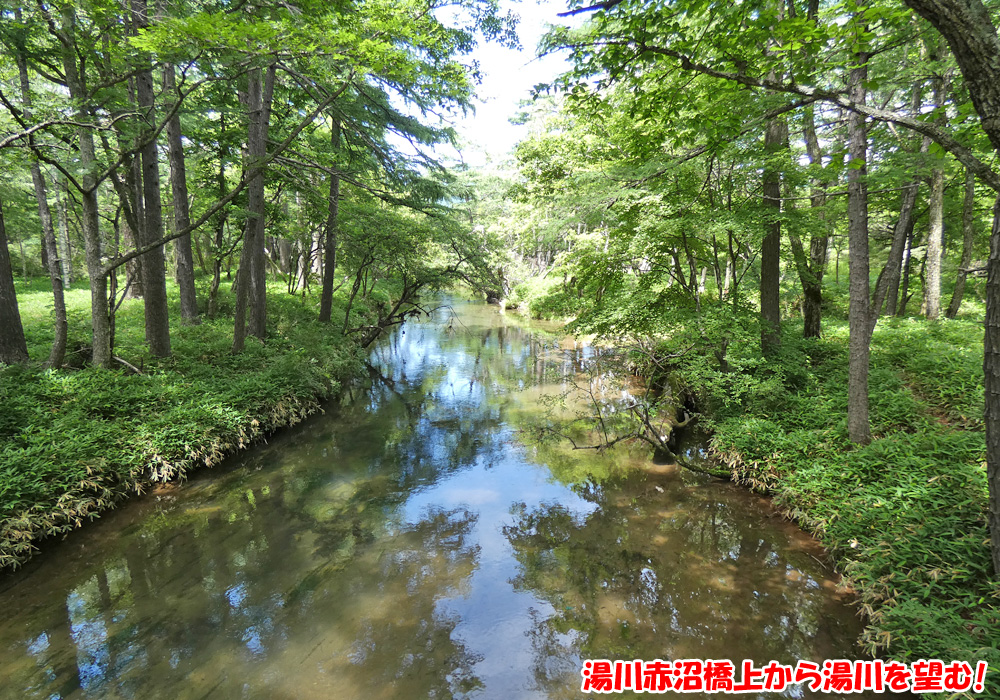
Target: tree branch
x=244, y=181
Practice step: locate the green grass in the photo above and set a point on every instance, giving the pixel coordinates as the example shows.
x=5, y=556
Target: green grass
x=905, y=516
x=75, y=441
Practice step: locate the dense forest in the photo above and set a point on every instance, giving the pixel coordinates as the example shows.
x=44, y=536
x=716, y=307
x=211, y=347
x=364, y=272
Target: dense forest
x=784, y=215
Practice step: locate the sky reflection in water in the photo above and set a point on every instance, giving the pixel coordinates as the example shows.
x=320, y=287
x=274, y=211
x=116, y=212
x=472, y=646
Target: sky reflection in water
x=411, y=545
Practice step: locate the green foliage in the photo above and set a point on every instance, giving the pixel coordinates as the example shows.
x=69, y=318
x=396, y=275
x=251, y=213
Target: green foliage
x=72, y=443
x=906, y=515
x=942, y=362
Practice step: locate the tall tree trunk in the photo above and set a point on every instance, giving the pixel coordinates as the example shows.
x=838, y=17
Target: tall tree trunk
x=90, y=219
x=935, y=235
x=13, y=348
x=258, y=265
x=133, y=215
x=130, y=240
x=182, y=216
x=775, y=136
x=330, y=239
x=304, y=264
x=66, y=250
x=859, y=350
x=991, y=370
x=44, y=255
x=250, y=289
x=315, y=254
x=58, y=352
x=888, y=279
x=812, y=268
x=907, y=265
x=153, y=275
x=935, y=246
x=968, y=239
x=969, y=30
x=904, y=228
x=285, y=255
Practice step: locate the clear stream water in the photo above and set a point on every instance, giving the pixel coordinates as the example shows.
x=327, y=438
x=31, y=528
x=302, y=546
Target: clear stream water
x=411, y=543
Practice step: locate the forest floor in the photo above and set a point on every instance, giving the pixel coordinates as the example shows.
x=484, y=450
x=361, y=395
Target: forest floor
x=76, y=441
x=904, y=517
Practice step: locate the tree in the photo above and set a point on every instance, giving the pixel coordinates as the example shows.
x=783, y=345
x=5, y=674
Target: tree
x=154, y=285
x=182, y=215
x=812, y=267
x=935, y=234
x=969, y=30
x=330, y=234
x=623, y=37
x=968, y=239
x=859, y=313
x=45, y=215
x=775, y=141
x=251, y=293
x=13, y=348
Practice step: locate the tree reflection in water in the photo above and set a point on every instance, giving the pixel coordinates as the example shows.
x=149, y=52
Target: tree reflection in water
x=412, y=546
x=666, y=567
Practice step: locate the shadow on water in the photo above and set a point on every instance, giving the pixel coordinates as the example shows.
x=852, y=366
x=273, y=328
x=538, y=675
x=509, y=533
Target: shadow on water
x=410, y=544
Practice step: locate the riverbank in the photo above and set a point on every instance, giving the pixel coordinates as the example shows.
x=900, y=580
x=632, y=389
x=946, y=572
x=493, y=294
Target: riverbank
x=76, y=441
x=905, y=517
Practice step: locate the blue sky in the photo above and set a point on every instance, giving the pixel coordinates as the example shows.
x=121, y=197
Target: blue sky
x=508, y=78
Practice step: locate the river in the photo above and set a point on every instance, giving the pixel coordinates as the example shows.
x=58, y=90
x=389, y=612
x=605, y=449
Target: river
x=411, y=542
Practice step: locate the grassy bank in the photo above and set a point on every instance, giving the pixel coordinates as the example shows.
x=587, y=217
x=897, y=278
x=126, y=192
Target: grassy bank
x=906, y=516
x=74, y=442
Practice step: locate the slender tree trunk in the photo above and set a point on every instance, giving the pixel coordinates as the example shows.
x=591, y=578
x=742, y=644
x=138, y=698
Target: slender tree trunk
x=24, y=259
x=991, y=370
x=66, y=253
x=251, y=100
x=935, y=234
x=904, y=290
x=315, y=254
x=134, y=218
x=133, y=268
x=285, y=255
x=903, y=227
x=775, y=136
x=13, y=348
x=250, y=289
x=182, y=216
x=153, y=275
x=888, y=279
x=812, y=269
x=58, y=352
x=968, y=239
x=90, y=218
x=258, y=266
x=969, y=30
x=859, y=350
x=935, y=246
x=217, y=259
x=304, y=264
x=330, y=239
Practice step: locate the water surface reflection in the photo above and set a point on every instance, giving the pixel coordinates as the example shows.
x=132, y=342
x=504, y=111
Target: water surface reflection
x=408, y=544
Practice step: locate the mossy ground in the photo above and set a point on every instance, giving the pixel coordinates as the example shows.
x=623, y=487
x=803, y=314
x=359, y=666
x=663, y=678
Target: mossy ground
x=75, y=441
